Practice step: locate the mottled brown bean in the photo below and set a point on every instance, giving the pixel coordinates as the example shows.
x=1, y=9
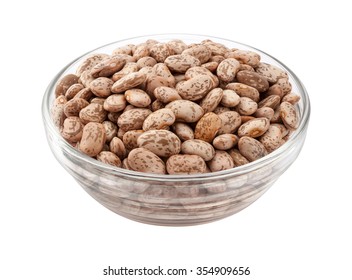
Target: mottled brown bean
x=198, y=147
x=166, y=94
x=117, y=147
x=74, y=106
x=244, y=91
x=133, y=119
x=130, y=138
x=92, y=113
x=183, y=131
x=230, y=122
x=128, y=81
x=143, y=160
x=207, y=127
x=289, y=115
x=160, y=119
x=228, y=69
x=221, y=161
x=138, y=98
x=115, y=103
x=211, y=100
x=64, y=84
x=93, y=139
x=185, y=164
x=225, y=141
x=251, y=148
x=254, y=128
x=230, y=98
x=72, y=129
x=247, y=106
x=185, y=110
x=253, y=79
x=110, y=130
x=101, y=87
x=237, y=158
x=163, y=143
x=181, y=62
x=109, y=158
x=73, y=90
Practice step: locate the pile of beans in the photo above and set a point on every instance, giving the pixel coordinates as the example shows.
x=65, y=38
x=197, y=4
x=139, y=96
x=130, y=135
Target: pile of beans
x=173, y=108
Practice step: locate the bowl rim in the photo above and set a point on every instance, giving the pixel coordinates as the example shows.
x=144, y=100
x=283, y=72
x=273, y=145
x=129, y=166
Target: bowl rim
x=236, y=171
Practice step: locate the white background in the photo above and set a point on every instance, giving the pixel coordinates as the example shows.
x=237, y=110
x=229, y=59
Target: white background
x=51, y=229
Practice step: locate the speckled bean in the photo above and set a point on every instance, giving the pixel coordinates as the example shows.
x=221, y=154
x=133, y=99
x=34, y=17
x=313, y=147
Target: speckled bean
x=129, y=68
x=92, y=113
x=264, y=112
x=130, y=138
x=230, y=122
x=137, y=97
x=185, y=164
x=143, y=160
x=285, y=85
x=291, y=98
x=228, y=69
x=251, y=148
x=74, y=106
x=270, y=72
x=90, y=62
x=253, y=79
x=245, y=57
x=237, y=158
x=117, y=147
x=109, y=66
x=289, y=115
x=84, y=93
x=195, y=88
x=207, y=127
x=115, y=103
x=271, y=139
x=271, y=101
x=254, y=128
x=57, y=111
x=72, y=129
x=225, y=141
x=199, y=51
x=221, y=161
x=160, y=51
x=64, y=84
x=166, y=94
x=163, y=143
x=183, y=131
x=244, y=91
x=185, y=110
x=128, y=81
x=146, y=61
x=198, y=147
x=247, y=106
x=230, y=98
x=73, y=90
x=133, y=119
x=211, y=100
x=181, y=62
x=160, y=119
x=109, y=158
x=110, y=130
x=93, y=139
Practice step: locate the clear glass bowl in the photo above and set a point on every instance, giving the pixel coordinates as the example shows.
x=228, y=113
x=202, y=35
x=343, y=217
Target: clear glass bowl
x=176, y=200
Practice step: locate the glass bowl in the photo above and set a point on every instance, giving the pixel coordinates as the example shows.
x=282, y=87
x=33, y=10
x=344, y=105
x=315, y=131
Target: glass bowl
x=176, y=200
